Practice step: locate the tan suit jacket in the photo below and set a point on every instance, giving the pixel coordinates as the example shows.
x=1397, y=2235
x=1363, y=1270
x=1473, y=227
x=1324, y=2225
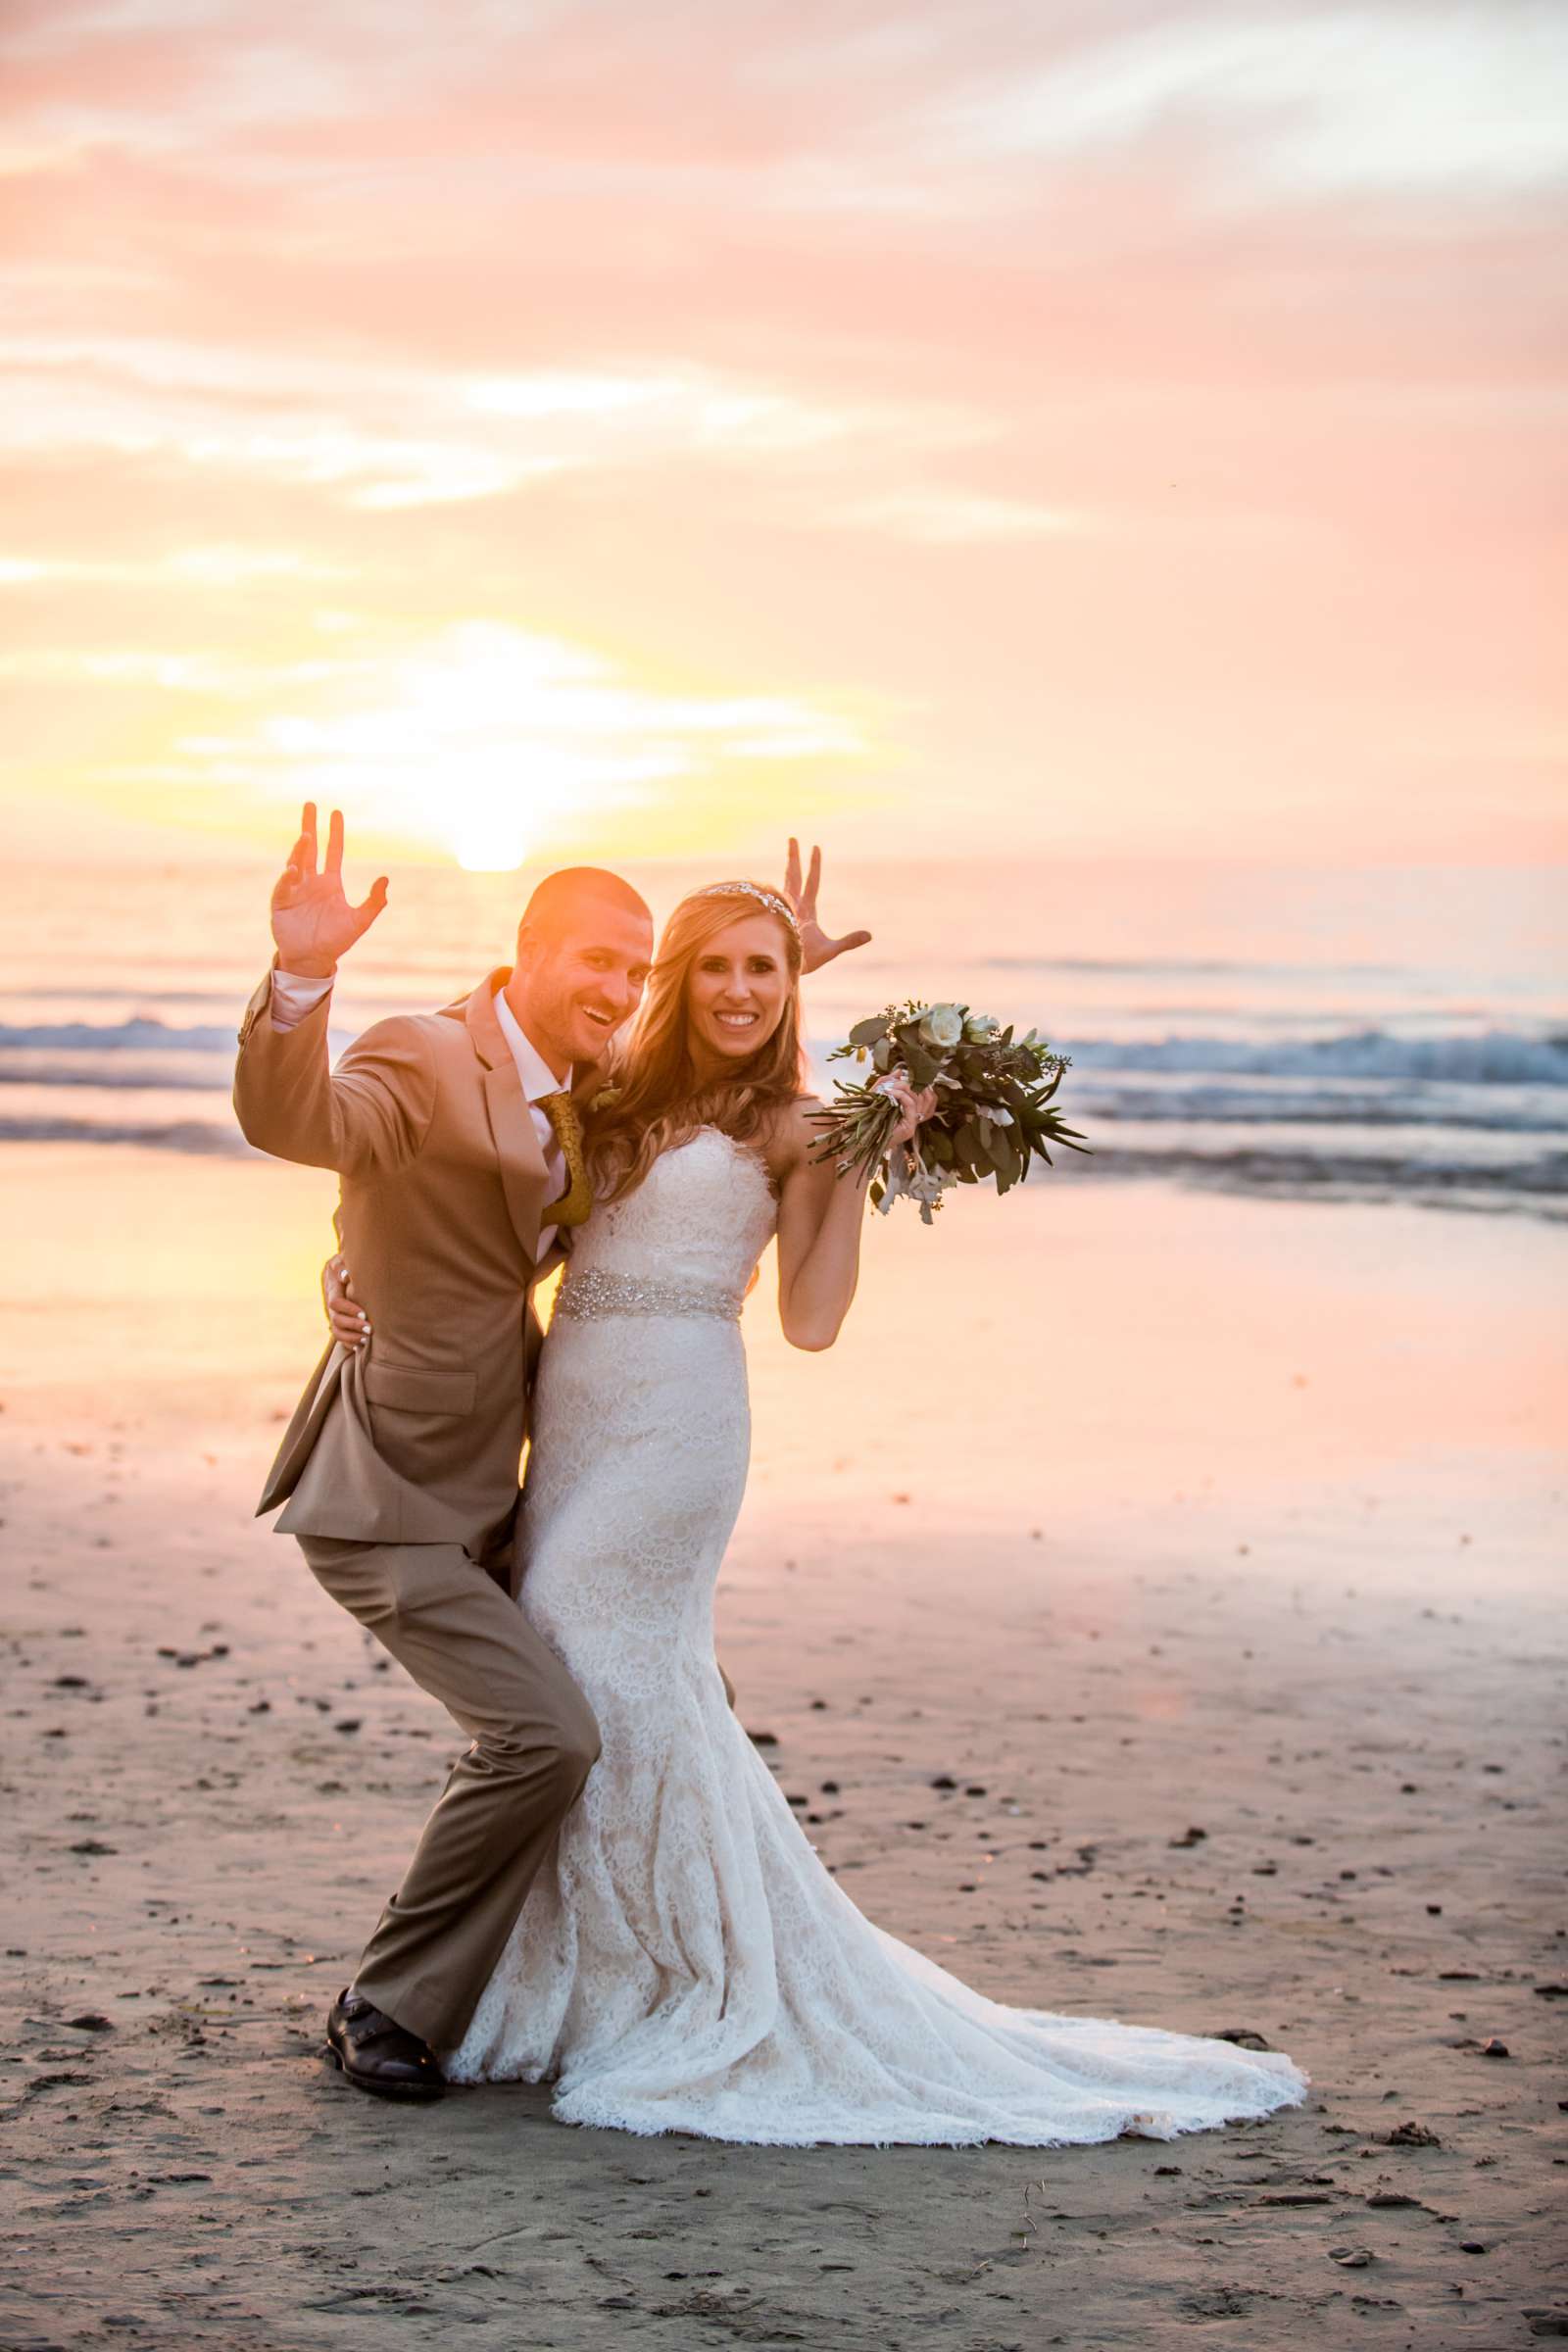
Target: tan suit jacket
x=416, y=1438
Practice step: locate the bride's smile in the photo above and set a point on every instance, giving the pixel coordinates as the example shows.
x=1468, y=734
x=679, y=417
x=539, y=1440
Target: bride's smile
x=736, y=994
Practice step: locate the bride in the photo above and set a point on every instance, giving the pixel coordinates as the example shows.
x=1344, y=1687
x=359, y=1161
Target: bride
x=687, y=1963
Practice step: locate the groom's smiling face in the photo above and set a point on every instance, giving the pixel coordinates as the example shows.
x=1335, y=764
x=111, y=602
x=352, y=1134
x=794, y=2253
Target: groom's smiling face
x=571, y=990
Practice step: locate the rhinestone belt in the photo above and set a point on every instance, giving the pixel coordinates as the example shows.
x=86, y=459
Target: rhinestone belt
x=597, y=1293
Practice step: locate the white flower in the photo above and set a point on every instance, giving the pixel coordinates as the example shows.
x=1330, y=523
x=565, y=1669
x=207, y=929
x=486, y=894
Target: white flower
x=980, y=1028
x=941, y=1027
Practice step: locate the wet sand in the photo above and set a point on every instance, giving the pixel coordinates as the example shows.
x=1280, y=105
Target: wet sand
x=1204, y=1547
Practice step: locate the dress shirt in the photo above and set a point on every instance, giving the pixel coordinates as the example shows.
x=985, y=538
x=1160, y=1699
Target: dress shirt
x=538, y=1079
x=294, y=994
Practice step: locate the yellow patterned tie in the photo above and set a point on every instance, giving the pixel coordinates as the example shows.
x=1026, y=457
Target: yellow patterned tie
x=577, y=1202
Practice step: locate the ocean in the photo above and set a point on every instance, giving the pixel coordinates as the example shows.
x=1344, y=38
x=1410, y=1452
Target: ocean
x=1335, y=1033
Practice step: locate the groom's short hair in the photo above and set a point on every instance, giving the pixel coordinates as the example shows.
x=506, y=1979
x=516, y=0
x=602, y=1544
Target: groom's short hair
x=562, y=899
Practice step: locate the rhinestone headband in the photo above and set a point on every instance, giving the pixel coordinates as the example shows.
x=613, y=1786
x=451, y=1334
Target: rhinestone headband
x=770, y=898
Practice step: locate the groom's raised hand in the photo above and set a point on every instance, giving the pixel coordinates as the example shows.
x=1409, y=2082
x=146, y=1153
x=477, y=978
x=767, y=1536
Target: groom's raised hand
x=816, y=948
x=313, y=923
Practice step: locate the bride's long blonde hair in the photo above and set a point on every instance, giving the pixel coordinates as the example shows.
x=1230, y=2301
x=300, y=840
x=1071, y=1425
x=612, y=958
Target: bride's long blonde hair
x=657, y=1101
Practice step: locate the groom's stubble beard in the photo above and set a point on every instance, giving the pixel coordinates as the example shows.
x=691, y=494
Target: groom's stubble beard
x=548, y=1015
x=548, y=998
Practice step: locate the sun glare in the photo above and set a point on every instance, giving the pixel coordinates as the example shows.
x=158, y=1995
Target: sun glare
x=492, y=815
x=490, y=742
x=490, y=845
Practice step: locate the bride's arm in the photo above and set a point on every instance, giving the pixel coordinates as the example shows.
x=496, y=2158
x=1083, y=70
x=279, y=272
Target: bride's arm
x=820, y=1218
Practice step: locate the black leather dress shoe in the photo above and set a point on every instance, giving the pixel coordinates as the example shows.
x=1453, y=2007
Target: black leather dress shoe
x=378, y=2054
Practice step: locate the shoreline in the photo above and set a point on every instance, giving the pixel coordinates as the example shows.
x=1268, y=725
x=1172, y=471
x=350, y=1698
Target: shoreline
x=1356, y=1180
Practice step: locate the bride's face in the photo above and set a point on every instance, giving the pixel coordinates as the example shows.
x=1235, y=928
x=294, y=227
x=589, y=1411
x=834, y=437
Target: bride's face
x=736, y=992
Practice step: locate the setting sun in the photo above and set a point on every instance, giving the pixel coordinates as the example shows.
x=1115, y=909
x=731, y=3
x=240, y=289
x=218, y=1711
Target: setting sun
x=490, y=744
x=478, y=742
x=491, y=842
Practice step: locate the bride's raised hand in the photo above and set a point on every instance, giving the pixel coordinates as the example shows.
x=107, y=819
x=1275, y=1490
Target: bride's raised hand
x=313, y=923
x=816, y=948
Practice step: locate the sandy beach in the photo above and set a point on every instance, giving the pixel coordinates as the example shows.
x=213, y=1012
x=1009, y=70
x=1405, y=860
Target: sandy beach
x=1151, y=1603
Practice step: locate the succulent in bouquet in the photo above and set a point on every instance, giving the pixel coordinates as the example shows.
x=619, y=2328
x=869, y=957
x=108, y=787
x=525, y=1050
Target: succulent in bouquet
x=994, y=1113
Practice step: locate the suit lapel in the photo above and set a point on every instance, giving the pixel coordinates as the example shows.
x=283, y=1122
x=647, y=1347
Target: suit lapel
x=524, y=1178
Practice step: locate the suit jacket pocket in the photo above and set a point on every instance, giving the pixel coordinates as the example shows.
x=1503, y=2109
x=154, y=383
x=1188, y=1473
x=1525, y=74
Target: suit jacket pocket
x=408, y=1390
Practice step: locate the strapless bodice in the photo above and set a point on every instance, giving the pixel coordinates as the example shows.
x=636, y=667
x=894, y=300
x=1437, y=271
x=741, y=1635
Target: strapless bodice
x=693, y=1229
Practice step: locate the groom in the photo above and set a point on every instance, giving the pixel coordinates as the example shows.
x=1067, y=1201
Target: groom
x=456, y=1139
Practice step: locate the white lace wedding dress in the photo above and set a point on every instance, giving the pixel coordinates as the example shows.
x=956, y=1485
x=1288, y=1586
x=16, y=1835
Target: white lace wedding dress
x=687, y=1964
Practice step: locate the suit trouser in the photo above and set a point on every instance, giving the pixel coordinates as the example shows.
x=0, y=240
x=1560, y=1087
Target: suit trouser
x=534, y=1742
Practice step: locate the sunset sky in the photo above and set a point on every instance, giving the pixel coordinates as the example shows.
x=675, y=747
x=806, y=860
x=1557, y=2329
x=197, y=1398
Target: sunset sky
x=1088, y=426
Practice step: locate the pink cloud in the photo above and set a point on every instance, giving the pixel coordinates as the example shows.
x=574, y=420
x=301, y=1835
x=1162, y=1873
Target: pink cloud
x=1301, y=432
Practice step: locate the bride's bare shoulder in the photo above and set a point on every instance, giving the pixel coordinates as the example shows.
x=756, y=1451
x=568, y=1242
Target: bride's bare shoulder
x=791, y=1134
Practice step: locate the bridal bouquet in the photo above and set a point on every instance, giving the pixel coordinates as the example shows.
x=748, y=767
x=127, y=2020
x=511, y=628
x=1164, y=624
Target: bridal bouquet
x=993, y=1114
